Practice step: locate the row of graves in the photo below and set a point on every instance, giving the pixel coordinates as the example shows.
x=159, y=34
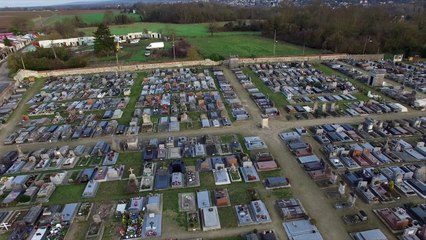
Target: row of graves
x=33, y=177
x=302, y=79
x=231, y=98
x=408, y=74
x=141, y=217
x=74, y=107
x=202, y=206
x=88, y=126
x=77, y=94
x=354, y=108
x=377, y=171
x=375, y=77
x=262, y=101
x=38, y=222
x=172, y=95
x=97, y=86
x=225, y=160
x=10, y=102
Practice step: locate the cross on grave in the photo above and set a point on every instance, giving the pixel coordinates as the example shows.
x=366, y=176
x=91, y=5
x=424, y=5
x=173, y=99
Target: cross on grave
x=131, y=170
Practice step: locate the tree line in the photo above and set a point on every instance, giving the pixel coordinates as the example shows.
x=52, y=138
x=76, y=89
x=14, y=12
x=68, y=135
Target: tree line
x=198, y=12
x=354, y=29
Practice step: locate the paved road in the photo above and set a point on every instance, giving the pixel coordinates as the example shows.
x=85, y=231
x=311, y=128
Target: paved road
x=302, y=186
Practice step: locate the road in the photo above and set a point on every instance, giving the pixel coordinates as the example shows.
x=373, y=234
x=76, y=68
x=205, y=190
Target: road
x=303, y=187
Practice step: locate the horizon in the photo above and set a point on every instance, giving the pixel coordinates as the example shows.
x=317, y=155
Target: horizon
x=37, y=3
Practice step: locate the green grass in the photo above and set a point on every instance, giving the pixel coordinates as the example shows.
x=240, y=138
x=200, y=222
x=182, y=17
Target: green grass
x=275, y=173
x=227, y=138
x=134, y=96
x=181, y=30
x=67, y=194
x=238, y=193
x=250, y=44
x=131, y=160
x=227, y=217
x=277, y=98
x=89, y=18
x=282, y=193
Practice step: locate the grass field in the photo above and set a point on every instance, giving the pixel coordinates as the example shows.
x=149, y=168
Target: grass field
x=181, y=30
x=89, y=18
x=242, y=44
x=250, y=44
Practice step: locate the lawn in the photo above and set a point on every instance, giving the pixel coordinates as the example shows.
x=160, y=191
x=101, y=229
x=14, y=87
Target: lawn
x=67, y=194
x=89, y=18
x=277, y=98
x=134, y=97
x=131, y=160
x=250, y=44
x=181, y=30
x=227, y=217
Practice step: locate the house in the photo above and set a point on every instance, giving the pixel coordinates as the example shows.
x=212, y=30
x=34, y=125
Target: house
x=210, y=218
x=90, y=189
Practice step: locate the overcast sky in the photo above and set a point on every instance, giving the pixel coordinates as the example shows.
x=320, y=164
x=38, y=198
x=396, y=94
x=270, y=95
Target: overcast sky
x=33, y=3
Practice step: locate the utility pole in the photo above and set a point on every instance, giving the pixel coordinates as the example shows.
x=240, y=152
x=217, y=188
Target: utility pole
x=275, y=40
x=117, y=47
x=174, y=50
x=368, y=39
x=53, y=49
x=23, y=64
